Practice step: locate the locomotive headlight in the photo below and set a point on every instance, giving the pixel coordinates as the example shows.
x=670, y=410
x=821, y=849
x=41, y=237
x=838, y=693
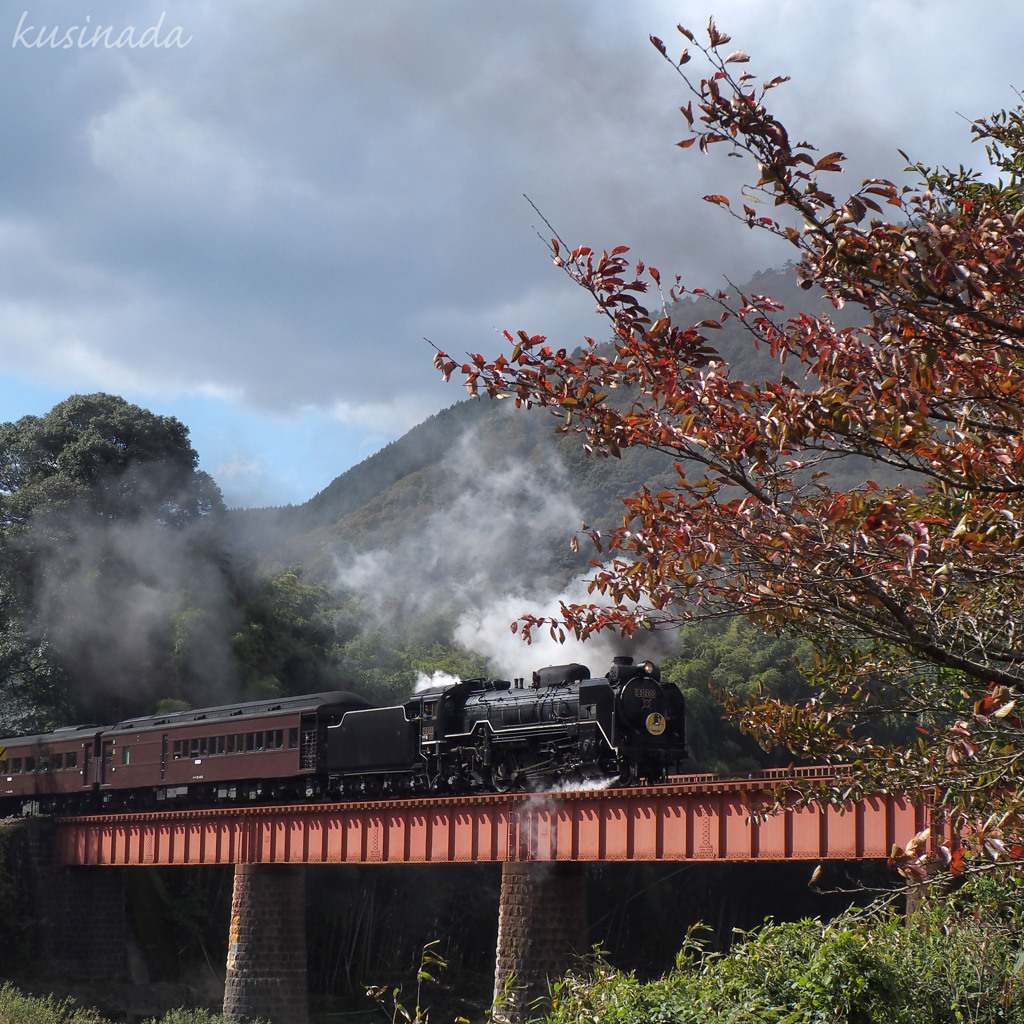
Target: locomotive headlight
x=656, y=723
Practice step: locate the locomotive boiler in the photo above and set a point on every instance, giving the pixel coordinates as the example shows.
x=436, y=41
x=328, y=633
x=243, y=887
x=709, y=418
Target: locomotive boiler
x=477, y=735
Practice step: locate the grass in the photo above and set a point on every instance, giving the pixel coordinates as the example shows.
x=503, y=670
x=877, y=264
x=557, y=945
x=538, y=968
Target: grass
x=17, y=1008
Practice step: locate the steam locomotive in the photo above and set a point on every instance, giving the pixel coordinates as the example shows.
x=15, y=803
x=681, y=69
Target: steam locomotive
x=477, y=735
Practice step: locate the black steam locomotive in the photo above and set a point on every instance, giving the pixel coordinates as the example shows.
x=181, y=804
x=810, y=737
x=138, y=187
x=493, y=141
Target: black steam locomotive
x=477, y=735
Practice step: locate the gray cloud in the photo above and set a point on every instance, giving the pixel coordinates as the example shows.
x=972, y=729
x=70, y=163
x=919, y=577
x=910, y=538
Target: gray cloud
x=278, y=212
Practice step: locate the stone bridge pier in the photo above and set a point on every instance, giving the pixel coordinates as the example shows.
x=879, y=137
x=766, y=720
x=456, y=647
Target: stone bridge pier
x=542, y=929
x=84, y=913
x=79, y=913
x=266, y=967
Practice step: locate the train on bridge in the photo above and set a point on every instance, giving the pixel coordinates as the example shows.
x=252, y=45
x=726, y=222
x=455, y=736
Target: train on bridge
x=476, y=735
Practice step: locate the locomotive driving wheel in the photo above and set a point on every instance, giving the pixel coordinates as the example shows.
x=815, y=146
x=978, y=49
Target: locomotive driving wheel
x=504, y=774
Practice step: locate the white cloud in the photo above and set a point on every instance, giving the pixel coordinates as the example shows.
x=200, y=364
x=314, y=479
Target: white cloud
x=391, y=418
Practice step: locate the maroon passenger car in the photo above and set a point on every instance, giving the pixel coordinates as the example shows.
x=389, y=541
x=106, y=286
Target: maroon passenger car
x=52, y=770
x=262, y=750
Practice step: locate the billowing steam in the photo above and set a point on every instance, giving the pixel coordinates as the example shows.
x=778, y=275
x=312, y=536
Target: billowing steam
x=483, y=540
x=486, y=630
x=434, y=681
x=487, y=555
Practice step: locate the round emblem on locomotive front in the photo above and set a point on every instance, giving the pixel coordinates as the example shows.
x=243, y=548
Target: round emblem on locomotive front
x=656, y=723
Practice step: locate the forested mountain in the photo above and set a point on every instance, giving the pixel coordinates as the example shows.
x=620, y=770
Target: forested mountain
x=469, y=448
x=450, y=468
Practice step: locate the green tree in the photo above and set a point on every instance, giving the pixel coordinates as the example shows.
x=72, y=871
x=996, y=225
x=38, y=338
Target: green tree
x=99, y=455
x=107, y=528
x=731, y=656
x=289, y=641
x=386, y=664
x=914, y=589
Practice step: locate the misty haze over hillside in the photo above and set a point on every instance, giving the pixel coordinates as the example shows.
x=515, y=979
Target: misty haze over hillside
x=473, y=512
x=477, y=522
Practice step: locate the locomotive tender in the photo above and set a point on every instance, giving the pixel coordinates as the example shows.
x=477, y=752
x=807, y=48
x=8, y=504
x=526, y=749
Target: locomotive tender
x=477, y=735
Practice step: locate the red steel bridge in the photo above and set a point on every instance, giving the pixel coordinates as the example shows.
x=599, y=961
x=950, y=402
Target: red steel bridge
x=694, y=818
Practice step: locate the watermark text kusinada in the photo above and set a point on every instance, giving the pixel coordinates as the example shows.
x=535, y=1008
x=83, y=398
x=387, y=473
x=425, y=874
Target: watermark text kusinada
x=109, y=37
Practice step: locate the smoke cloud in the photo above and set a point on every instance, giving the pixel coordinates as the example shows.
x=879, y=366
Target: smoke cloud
x=494, y=534
x=135, y=609
x=487, y=631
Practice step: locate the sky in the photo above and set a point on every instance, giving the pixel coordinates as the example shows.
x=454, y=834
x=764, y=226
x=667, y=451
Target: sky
x=254, y=217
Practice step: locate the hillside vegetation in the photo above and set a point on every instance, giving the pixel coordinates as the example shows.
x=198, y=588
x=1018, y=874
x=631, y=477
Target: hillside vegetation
x=414, y=561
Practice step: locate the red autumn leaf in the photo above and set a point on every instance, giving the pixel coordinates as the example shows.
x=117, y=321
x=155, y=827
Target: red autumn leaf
x=717, y=38
x=957, y=865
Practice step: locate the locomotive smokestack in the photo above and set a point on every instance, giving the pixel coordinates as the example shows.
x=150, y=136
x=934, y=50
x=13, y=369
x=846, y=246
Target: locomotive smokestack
x=623, y=659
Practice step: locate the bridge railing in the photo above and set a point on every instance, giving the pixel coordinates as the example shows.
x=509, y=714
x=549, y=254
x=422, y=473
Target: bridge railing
x=774, y=775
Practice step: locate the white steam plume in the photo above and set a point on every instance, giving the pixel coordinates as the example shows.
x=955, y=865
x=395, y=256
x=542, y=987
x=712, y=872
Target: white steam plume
x=478, y=544
x=435, y=679
x=487, y=556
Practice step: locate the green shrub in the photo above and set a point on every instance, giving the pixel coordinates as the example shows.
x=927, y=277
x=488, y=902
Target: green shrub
x=962, y=963
x=17, y=1008
x=183, y=1016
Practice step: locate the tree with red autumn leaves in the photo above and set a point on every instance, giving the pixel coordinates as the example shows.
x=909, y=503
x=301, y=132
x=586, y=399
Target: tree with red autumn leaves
x=912, y=591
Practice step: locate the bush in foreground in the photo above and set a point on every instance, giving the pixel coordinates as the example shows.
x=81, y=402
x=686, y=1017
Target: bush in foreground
x=947, y=968
x=18, y=1008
